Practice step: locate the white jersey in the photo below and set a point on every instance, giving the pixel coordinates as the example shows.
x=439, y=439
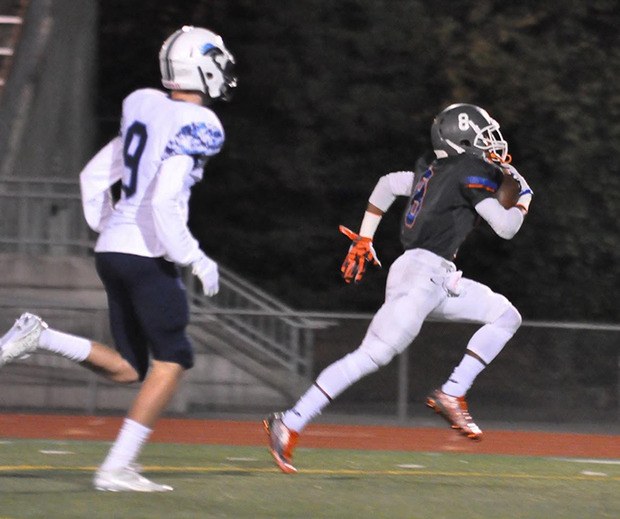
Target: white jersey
x=160, y=155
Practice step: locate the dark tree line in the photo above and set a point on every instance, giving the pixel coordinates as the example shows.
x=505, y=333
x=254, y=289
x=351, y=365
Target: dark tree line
x=333, y=95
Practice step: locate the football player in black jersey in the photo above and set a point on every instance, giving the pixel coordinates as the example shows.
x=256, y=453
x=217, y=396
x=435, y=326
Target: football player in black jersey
x=446, y=198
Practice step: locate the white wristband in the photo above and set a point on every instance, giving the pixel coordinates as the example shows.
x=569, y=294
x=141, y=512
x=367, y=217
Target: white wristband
x=370, y=222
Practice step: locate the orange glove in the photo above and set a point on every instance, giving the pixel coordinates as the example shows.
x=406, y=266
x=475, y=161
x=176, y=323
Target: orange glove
x=360, y=253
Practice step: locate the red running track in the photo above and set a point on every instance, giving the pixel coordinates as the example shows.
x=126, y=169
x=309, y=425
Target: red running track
x=232, y=432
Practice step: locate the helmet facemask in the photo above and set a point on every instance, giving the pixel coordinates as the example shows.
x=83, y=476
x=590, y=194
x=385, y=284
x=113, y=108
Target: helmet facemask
x=490, y=140
x=217, y=74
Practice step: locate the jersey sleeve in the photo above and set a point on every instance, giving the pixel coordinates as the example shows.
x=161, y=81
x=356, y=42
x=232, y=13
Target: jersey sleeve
x=479, y=180
x=96, y=179
x=198, y=137
x=169, y=211
x=390, y=186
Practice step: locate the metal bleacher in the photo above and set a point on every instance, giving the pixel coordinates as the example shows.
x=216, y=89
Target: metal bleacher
x=248, y=343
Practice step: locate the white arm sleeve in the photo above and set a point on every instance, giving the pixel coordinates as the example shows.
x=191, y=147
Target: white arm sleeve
x=389, y=187
x=101, y=172
x=505, y=222
x=170, y=210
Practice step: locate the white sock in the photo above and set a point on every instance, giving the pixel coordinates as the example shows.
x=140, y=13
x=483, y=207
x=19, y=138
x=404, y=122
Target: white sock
x=307, y=407
x=127, y=446
x=463, y=376
x=482, y=348
x=332, y=381
x=70, y=346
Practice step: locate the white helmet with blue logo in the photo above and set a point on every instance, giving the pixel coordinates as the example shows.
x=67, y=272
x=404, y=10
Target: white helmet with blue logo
x=196, y=59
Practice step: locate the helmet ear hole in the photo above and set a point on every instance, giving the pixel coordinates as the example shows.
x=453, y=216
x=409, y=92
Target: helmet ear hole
x=465, y=142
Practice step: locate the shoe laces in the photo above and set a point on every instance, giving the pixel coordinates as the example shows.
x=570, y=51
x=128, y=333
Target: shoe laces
x=464, y=408
x=466, y=416
x=462, y=404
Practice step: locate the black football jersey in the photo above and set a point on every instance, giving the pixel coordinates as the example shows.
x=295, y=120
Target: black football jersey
x=440, y=212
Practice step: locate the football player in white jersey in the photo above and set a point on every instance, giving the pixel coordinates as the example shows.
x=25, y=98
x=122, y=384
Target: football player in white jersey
x=165, y=141
x=446, y=200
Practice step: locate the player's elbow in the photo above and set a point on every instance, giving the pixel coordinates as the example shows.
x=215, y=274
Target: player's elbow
x=505, y=232
x=509, y=226
x=504, y=222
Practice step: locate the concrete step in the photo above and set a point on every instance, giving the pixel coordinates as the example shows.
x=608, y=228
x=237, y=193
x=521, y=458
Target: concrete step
x=67, y=293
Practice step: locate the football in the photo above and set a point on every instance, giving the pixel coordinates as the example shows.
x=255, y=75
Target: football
x=508, y=192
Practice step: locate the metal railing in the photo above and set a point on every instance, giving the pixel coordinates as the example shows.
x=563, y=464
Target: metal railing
x=548, y=372
x=278, y=333
x=44, y=216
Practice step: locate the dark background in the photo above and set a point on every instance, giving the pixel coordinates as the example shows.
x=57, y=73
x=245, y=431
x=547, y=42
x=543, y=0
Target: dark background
x=334, y=94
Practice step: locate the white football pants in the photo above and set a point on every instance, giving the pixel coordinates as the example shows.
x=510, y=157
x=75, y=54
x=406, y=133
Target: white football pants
x=421, y=284
x=418, y=287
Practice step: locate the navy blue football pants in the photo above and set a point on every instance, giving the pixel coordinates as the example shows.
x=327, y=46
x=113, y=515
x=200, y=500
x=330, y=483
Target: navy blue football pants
x=148, y=309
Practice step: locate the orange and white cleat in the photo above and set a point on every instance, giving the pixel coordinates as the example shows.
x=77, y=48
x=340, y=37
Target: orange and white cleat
x=282, y=441
x=454, y=410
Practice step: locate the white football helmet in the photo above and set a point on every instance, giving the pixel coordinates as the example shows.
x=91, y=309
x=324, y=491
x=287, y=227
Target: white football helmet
x=196, y=59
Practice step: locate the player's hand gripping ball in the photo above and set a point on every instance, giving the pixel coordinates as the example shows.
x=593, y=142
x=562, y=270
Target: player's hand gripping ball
x=508, y=192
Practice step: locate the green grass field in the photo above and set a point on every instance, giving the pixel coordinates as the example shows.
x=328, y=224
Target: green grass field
x=52, y=479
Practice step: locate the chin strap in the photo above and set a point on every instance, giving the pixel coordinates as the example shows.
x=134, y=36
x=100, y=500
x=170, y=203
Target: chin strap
x=494, y=157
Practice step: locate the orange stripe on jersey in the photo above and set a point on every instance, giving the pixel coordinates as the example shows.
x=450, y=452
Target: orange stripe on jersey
x=481, y=186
